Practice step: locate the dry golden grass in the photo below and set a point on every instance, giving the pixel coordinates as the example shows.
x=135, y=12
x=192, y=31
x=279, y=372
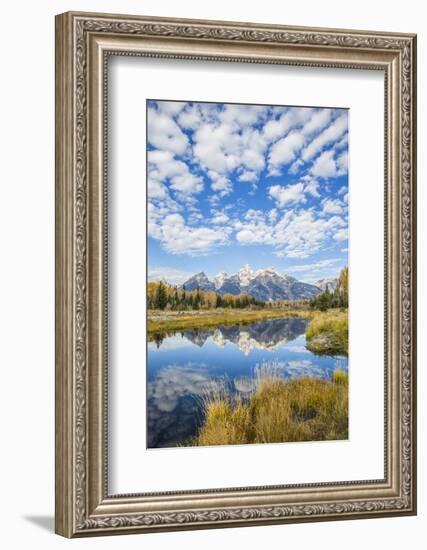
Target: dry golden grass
x=304, y=409
x=327, y=333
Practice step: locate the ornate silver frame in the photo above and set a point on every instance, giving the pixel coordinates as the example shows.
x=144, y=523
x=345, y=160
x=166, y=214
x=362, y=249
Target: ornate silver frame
x=83, y=42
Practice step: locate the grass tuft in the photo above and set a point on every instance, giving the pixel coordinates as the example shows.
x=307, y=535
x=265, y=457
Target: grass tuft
x=304, y=409
x=327, y=333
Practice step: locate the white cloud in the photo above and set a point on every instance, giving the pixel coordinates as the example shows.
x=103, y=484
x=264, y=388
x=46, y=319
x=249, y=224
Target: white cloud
x=225, y=145
x=341, y=235
x=317, y=266
x=187, y=184
x=327, y=166
x=343, y=142
x=287, y=194
x=272, y=215
x=171, y=108
x=311, y=185
x=172, y=275
x=177, y=237
x=156, y=189
x=331, y=134
x=190, y=118
x=231, y=145
x=164, y=133
x=342, y=164
x=324, y=166
x=242, y=115
x=248, y=175
x=220, y=184
x=291, y=118
x=220, y=218
x=297, y=234
x=332, y=206
x=317, y=122
x=163, y=168
x=284, y=151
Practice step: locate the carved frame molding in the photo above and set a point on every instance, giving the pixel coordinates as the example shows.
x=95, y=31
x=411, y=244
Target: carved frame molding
x=83, y=42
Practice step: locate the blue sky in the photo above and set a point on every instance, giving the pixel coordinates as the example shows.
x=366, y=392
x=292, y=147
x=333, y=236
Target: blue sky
x=232, y=184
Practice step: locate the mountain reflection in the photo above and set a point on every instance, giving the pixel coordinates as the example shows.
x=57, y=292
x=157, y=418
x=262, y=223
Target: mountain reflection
x=265, y=335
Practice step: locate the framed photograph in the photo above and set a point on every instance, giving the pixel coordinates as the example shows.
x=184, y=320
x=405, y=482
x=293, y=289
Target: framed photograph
x=235, y=274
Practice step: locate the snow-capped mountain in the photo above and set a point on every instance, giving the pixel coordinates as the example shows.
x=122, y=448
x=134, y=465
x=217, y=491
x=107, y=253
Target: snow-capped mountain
x=219, y=279
x=199, y=280
x=245, y=275
x=329, y=283
x=262, y=284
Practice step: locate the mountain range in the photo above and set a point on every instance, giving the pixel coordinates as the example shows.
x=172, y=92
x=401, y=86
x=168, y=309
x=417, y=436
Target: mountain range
x=262, y=284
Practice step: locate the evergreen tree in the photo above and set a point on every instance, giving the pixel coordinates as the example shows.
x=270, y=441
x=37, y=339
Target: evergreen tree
x=161, y=298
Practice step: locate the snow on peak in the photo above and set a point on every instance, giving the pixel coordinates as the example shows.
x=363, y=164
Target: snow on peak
x=267, y=271
x=200, y=276
x=219, y=279
x=245, y=275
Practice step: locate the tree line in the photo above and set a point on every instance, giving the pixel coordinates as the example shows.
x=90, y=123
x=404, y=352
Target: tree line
x=338, y=298
x=163, y=296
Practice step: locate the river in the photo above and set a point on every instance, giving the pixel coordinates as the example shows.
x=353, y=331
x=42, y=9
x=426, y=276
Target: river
x=184, y=366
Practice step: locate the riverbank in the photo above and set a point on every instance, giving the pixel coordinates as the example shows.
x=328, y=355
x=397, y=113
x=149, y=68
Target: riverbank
x=327, y=333
x=304, y=409
x=170, y=321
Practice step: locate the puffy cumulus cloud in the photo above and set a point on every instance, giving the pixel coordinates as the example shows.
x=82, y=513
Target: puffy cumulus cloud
x=220, y=184
x=303, y=123
x=156, y=189
x=296, y=234
x=341, y=235
x=342, y=164
x=285, y=194
x=201, y=153
x=171, y=108
x=289, y=118
x=220, y=218
x=303, y=233
x=329, y=135
x=164, y=133
x=327, y=165
x=311, y=185
x=243, y=115
x=248, y=175
x=332, y=206
x=284, y=151
x=236, y=143
x=177, y=237
x=343, y=142
x=164, y=168
x=225, y=147
x=295, y=193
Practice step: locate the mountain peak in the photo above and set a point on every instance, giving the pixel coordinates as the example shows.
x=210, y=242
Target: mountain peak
x=245, y=274
x=263, y=284
x=219, y=279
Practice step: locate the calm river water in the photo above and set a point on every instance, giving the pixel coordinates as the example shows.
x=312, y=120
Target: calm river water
x=182, y=367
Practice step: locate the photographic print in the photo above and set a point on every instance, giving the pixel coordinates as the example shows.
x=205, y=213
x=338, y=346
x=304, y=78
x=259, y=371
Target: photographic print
x=247, y=262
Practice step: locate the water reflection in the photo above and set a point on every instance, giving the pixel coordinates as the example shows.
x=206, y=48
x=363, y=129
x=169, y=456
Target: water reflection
x=184, y=366
x=269, y=334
